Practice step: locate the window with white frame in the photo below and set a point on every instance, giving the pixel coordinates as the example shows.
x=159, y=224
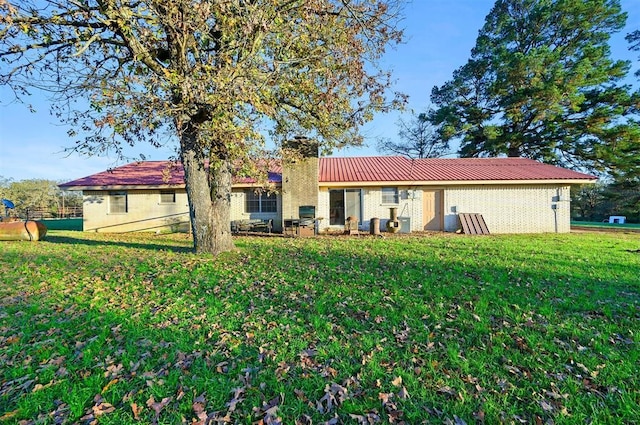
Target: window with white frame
x=167, y=196
x=118, y=203
x=260, y=202
x=390, y=195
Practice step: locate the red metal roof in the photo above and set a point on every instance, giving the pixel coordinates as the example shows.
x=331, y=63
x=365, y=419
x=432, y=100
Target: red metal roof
x=352, y=170
x=396, y=168
x=144, y=173
x=152, y=173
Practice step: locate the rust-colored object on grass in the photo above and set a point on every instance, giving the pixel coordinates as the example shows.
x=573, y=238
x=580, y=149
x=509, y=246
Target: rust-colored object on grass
x=22, y=231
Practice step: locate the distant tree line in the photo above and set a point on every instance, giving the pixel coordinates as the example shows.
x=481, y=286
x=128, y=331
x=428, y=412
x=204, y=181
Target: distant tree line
x=38, y=195
x=596, y=202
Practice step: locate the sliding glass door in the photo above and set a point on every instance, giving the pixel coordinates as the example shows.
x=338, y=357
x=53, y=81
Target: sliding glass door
x=344, y=203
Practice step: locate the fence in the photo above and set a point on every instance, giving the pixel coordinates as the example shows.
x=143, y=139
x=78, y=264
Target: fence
x=44, y=213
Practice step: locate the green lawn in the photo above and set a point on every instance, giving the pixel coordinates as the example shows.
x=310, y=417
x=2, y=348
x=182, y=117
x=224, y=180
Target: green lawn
x=433, y=329
x=607, y=225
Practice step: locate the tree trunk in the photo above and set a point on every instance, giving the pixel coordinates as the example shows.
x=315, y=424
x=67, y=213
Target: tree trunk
x=209, y=194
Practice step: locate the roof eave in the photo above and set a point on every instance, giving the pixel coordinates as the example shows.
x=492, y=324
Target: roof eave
x=103, y=188
x=455, y=182
x=122, y=187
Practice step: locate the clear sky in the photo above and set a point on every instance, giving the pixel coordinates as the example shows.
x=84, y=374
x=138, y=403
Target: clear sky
x=439, y=38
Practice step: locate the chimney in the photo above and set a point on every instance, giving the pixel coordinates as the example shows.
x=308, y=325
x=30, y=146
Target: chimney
x=299, y=176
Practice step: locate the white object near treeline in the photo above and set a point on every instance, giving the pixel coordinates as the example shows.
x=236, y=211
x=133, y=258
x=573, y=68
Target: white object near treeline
x=617, y=219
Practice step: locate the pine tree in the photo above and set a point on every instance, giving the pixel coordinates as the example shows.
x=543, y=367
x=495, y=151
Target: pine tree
x=540, y=83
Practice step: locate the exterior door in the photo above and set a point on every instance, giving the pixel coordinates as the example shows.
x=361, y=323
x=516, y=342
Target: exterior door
x=344, y=203
x=432, y=210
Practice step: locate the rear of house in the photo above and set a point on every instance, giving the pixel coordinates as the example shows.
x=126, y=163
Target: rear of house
x=514, y=195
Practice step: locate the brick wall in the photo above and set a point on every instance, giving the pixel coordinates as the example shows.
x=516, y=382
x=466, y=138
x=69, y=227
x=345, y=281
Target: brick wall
x=511, y=209
x=410, y=205
x=506, y=209
x=300, y=178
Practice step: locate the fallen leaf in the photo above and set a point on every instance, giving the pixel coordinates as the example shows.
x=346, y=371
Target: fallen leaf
x=458, y=421
x=237, y=398
x=158, y=406
x=136, y=410
x=39, y=387
x=106, y=387
x=199, y=409
x=304, y=420
x=102, y=409
x=113, y=370
x=403, y=393
x=397, y=381
x=546, y=406
x=447, y=390
x=479, y=416
x=368, y=418
x=12, y=339
x=9, y=415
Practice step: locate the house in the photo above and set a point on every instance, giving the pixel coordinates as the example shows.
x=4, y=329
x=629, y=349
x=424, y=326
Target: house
x=514, y=195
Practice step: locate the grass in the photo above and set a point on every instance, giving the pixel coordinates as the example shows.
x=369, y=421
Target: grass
x=606, y=225
x=440, y=329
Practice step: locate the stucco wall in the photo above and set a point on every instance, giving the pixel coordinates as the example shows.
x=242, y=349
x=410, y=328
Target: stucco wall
x=145, y=212
x=511, y=209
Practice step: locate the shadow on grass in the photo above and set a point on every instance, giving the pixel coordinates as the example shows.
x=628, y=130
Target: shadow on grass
x=294, y=316
x=166, y=246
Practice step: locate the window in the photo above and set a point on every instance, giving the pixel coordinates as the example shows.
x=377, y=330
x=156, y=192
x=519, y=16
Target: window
x=117, y=202
x=390, y=195
x=167, y=196
x=261, y=202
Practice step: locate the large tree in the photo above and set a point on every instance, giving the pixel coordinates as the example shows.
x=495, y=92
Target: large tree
x=417, y=138
x=216, y=76
x=540, y=83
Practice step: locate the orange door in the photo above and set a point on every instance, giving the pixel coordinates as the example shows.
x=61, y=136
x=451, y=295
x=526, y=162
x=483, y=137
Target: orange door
x=432, y=210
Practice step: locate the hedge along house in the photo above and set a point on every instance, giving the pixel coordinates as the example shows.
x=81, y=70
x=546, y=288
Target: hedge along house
x=514, y=195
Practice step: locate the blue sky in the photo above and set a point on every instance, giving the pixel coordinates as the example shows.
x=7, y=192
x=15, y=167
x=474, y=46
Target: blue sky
x=439, y=38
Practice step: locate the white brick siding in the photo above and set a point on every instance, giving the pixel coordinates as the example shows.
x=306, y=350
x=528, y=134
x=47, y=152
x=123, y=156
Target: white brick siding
x=506, y=209
x=510, y=209
x=410, y=205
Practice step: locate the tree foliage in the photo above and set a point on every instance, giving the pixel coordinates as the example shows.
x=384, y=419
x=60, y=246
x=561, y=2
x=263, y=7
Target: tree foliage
x=623, y=197
x=215, y=76
x=540, y=83
x=634, y=44
x=36, y=194
x=596, y=202
x=418, y=137
x=588, y=201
